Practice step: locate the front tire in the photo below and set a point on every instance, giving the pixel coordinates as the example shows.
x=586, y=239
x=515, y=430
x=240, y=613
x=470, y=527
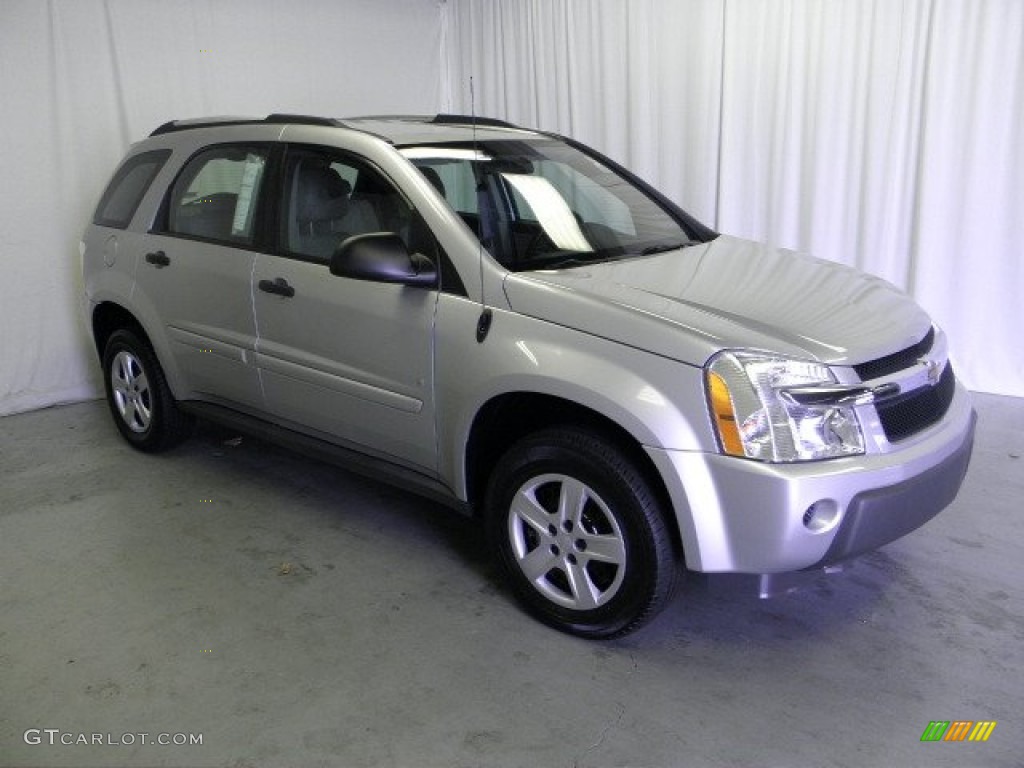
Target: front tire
x=140, y=401
x=579, y=534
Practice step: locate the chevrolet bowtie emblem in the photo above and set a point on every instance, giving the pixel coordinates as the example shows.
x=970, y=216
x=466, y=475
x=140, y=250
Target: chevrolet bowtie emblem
x=933, y=367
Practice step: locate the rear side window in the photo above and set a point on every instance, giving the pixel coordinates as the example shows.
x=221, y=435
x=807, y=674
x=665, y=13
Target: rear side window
x=217, y=193
x=126, y=190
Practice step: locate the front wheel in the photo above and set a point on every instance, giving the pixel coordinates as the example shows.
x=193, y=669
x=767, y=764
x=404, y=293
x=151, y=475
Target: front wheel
x=579, y=533
x=140, y=401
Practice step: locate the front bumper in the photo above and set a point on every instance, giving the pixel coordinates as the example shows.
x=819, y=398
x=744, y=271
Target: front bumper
x=885, y=514
x=742, y=516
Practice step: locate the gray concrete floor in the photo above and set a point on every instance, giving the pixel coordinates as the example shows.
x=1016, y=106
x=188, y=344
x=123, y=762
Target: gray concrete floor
x=292, y=614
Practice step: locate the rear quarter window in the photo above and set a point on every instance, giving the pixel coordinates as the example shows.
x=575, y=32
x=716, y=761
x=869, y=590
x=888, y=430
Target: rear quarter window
x=126, y=190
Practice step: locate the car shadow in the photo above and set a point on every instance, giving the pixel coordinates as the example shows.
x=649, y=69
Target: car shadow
x=719, y=608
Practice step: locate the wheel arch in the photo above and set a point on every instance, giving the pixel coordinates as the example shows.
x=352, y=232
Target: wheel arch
x=108, y=317
x=509, y=417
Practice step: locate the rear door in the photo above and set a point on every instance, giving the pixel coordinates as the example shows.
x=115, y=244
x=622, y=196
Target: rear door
x=197, y=272
x=348, y=360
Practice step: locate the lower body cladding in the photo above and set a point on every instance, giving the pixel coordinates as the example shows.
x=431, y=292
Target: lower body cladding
x=741, y=516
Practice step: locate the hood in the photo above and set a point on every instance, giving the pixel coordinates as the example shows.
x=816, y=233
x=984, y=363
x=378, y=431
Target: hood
x=689, y=303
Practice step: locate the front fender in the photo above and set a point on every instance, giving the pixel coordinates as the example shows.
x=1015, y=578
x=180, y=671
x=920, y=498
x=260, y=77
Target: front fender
x=657, y=401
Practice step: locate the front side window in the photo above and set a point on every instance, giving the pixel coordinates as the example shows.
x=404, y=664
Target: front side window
x=330, y=196
x=543, y=204
x=126, y=190
x=217, y=193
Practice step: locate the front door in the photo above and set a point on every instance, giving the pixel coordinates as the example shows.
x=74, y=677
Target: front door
x=348, y=360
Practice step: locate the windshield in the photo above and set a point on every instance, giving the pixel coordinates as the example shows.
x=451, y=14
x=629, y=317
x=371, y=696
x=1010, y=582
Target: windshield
x=541, y=204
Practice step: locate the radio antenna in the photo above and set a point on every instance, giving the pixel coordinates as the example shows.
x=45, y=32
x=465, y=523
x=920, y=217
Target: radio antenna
x=483, y=323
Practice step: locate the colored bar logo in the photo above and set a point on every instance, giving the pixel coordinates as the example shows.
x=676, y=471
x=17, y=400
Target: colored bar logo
x=958, y=730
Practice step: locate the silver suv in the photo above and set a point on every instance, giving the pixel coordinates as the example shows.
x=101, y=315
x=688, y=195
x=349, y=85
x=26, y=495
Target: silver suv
x=508, y=321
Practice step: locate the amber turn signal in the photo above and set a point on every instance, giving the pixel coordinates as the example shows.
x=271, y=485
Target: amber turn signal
x=724, y=415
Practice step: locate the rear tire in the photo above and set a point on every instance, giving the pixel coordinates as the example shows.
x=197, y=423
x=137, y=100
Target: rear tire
x=579, y=534
x=140, y=401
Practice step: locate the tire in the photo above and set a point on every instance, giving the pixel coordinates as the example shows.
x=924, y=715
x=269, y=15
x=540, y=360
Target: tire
x=140, y=401
x=579, y=535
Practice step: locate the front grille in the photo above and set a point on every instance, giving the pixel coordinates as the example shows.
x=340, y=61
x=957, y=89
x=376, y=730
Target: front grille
x=897, y=361
x=908, y=414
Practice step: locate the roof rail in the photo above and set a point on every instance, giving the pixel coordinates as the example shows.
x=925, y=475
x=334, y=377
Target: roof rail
x=163, y=128
x=283, y=117
x=277, y=118
x=203, y=122
x=493, y=122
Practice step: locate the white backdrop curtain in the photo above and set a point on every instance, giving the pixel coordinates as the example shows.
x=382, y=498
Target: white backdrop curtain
x=81, y=79
x=885, y=134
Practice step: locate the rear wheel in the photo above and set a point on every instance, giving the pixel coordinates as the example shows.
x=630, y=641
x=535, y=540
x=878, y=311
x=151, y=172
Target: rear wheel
x=579, y=534
x=142, y=405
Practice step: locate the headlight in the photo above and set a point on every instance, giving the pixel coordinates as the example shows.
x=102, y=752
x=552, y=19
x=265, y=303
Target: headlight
x=753, y=417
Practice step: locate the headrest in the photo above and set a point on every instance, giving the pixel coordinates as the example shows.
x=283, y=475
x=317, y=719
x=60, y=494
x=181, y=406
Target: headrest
x=321, y=194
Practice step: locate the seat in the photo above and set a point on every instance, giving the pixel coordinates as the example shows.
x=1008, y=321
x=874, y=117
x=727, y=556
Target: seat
x=320, y=203
x=209, y=216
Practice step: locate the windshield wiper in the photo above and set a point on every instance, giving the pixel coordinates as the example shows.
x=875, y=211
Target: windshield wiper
x=568, y=261
x=574, y=260
x=663, y=248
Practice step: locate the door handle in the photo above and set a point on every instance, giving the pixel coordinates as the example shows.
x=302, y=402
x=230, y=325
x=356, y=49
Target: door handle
x=278, y=285
x=158, y=259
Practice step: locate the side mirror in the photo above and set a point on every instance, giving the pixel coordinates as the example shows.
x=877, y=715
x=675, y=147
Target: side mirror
x=383, y=258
